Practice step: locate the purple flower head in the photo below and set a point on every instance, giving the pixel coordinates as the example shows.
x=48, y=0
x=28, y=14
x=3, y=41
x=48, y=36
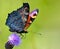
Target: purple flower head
x=14, y=39
x=34, y=12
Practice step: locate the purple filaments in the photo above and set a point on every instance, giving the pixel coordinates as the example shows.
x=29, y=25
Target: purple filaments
x=14, y=39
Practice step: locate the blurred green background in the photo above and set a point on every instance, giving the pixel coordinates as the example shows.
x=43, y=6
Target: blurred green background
x=44, y=33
